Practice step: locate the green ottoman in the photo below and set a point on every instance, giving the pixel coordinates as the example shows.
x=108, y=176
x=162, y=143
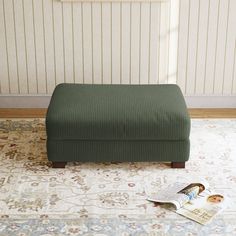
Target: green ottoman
x=106, y=123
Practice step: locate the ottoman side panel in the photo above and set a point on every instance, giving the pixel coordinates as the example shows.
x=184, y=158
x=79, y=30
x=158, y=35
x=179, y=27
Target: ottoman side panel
x=102, y=151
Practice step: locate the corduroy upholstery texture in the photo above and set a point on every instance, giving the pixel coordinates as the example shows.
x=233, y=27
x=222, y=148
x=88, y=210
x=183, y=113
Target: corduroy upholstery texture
x=117, y=123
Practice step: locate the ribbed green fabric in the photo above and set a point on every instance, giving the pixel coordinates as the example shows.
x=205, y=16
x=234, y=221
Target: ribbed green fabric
x=117, y=112
x=102, y=151
x=117, y=123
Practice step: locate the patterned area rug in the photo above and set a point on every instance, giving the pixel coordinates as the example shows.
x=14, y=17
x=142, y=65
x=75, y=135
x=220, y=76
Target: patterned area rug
x=107, y=198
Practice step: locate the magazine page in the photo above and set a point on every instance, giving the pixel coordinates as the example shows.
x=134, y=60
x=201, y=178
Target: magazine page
x=204, y=207
x=178, y=193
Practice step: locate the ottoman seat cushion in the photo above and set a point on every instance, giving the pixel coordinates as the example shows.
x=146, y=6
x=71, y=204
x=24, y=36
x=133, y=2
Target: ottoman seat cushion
x=117, y=112
x=117, y=123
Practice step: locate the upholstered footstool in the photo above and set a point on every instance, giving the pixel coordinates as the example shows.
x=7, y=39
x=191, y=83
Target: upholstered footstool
x=125, y=123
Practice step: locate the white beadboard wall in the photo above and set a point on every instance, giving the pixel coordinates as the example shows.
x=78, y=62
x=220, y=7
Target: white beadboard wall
x=188, y=42
x=207, y=47
x=46, y=42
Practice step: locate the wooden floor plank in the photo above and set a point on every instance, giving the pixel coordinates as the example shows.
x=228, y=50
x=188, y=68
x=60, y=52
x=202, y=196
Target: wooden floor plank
x=41, y=113
x=23, y=113
x=213, y=113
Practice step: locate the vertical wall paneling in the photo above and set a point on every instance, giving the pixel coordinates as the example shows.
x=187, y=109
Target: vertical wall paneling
x=40, y=46
x=106, y=42
x=220, y=47
x=78, y=42
x=115, y=26
x=144, y=43
x=201, y=46
x=125, y=42
x=30, y=46
x=97, y=41
x=87, y=42
x=183, y=43
x=188, y=42
x=49, y=45
x=230, y=52
x=21, y=50
x=164, y=43
x=154, y=43
x=173, y=41
x=4, y=80
x=233, y=88
x=58, y=42
x=68, y=41
x=192, y=46
x=135, y=43
x=211, y=46
x=11, y=45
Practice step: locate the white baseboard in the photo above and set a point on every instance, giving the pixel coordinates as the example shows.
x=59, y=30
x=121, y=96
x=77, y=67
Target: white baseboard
x=203, y=101
x=24, y=101
x=42, y=101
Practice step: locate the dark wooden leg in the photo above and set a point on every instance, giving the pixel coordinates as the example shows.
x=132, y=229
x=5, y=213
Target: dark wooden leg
x=177, y=164
x=58, y=164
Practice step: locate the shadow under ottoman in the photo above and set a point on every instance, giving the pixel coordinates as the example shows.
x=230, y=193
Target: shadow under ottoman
x=104, y=123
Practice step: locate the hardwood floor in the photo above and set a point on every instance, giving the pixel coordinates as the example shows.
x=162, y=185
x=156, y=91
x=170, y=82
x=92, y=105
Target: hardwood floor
x=41, y=113
x=213, y=113
x=22, y=113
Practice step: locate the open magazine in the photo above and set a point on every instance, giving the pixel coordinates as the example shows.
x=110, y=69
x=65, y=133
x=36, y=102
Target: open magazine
x=194, y=201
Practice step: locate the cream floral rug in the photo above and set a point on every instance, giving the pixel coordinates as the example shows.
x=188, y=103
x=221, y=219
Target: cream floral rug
x=107, y=198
